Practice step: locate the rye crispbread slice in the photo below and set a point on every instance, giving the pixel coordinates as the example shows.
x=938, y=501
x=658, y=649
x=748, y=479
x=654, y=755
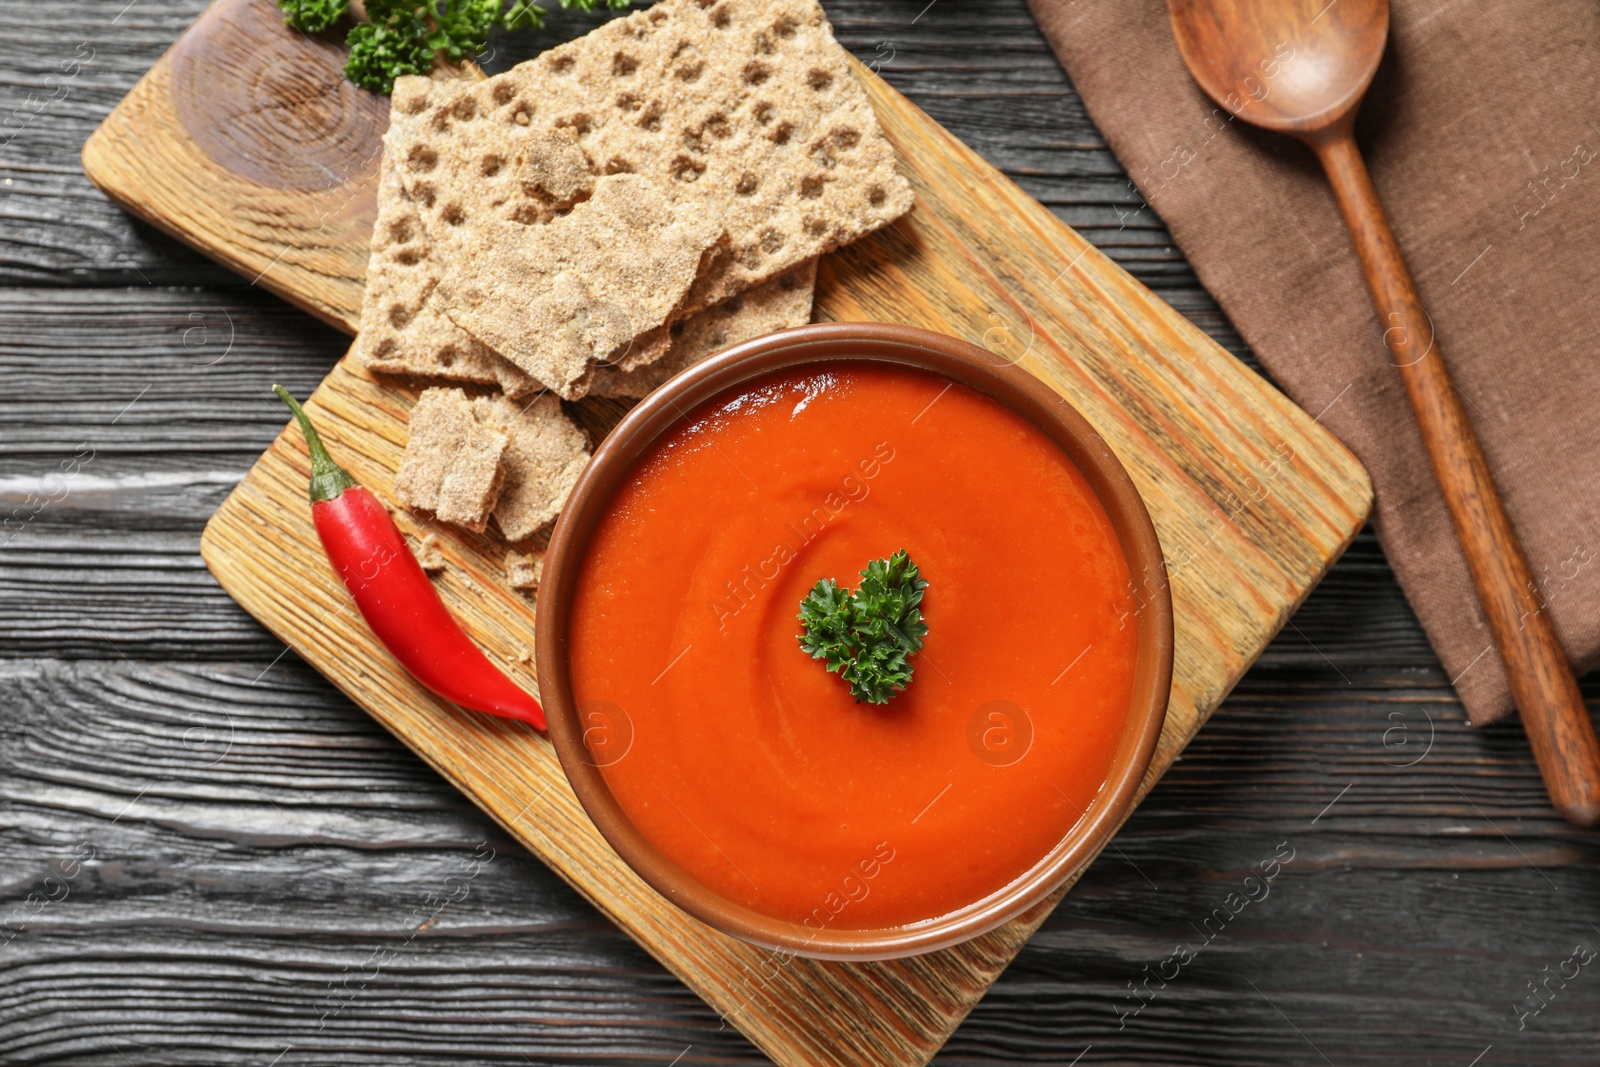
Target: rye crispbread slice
x=744, y=110
x=547, y=452
x=778, y=304
x=558, y=296
x=403, y=331
x=452, y=462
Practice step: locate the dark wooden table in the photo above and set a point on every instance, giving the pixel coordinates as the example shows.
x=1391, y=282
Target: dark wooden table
x=208, y=855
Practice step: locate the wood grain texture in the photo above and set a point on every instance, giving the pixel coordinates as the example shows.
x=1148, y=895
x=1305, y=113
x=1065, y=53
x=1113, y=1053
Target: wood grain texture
x=211, y=931
x=247, y=141
x=1251, y=500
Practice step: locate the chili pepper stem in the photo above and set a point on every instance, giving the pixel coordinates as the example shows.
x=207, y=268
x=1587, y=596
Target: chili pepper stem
x=328, y=479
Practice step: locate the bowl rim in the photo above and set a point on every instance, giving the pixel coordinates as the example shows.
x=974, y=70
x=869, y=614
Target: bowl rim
x=989, y=374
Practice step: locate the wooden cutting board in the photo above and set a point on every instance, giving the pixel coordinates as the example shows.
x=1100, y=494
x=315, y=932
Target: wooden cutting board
x=246, y=142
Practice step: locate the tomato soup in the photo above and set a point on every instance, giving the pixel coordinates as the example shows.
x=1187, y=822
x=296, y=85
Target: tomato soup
x=745, y=761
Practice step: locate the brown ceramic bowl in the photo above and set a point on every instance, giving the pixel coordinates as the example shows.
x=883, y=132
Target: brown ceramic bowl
x=984, y=372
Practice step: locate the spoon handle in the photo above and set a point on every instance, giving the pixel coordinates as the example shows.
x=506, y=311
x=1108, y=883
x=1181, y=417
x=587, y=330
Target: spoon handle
x=1553, y=714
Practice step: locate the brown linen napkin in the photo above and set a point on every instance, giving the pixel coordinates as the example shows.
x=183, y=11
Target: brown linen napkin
x=1478, y=137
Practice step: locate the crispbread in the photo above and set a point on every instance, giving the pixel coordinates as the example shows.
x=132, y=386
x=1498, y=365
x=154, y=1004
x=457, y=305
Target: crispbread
x=555, y=297
x=546, y=454
x=645, y=349
x=524, y=570
x=553, y=169
x=775, y=305
x=429, y=555
x=744, y=110
x=451, y=465
x=402, y=329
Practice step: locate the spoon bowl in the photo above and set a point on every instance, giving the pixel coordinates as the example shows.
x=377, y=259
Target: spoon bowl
x=1294, y=66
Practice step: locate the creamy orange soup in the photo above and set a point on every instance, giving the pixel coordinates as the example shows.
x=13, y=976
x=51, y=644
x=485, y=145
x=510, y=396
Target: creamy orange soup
x=745, y=761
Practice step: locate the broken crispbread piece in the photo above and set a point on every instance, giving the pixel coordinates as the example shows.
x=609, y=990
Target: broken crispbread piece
x=402, y=329
x=451, y=464
x=547, y=452
x=647, y=348
x=429, y=555
x=524, y=570
x=555, y=297
x=775, y=305
x=745, y=110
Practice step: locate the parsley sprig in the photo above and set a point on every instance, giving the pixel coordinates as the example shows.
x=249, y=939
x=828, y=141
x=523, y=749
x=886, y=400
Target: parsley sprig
x=404, y=36
x=868, y=636
x=313, y=16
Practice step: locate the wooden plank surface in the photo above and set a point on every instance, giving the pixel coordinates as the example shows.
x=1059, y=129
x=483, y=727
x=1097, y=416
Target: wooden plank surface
x=1252, y=501
x=232, y=893
x=1399, y=935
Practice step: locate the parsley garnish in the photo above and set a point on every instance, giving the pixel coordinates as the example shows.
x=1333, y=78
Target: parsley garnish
x=313, y=16
x=869, y=636
x=404, y=36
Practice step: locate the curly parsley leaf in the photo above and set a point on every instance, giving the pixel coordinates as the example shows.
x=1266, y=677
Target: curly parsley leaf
x=827, y=616
x=406, y=36
x=382, y=51
x=313, y=16
x=888, y=606
x=868, y=636
x=878, y=673
x=461, y=27
x=523, y=15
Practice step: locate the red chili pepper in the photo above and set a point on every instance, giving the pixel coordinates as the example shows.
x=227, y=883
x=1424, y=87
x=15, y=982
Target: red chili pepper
x=395, y=596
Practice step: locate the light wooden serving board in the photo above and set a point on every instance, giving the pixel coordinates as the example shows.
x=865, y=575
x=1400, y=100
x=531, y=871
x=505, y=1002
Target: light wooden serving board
x=246, y=142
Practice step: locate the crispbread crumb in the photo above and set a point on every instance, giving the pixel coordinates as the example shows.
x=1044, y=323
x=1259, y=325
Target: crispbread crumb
x=523, y=570
x=451, y=464
x=429, y=556
x=555, y=170
x=547, y=452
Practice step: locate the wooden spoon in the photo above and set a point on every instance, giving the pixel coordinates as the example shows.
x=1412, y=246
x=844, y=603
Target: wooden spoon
x=1301, y=67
